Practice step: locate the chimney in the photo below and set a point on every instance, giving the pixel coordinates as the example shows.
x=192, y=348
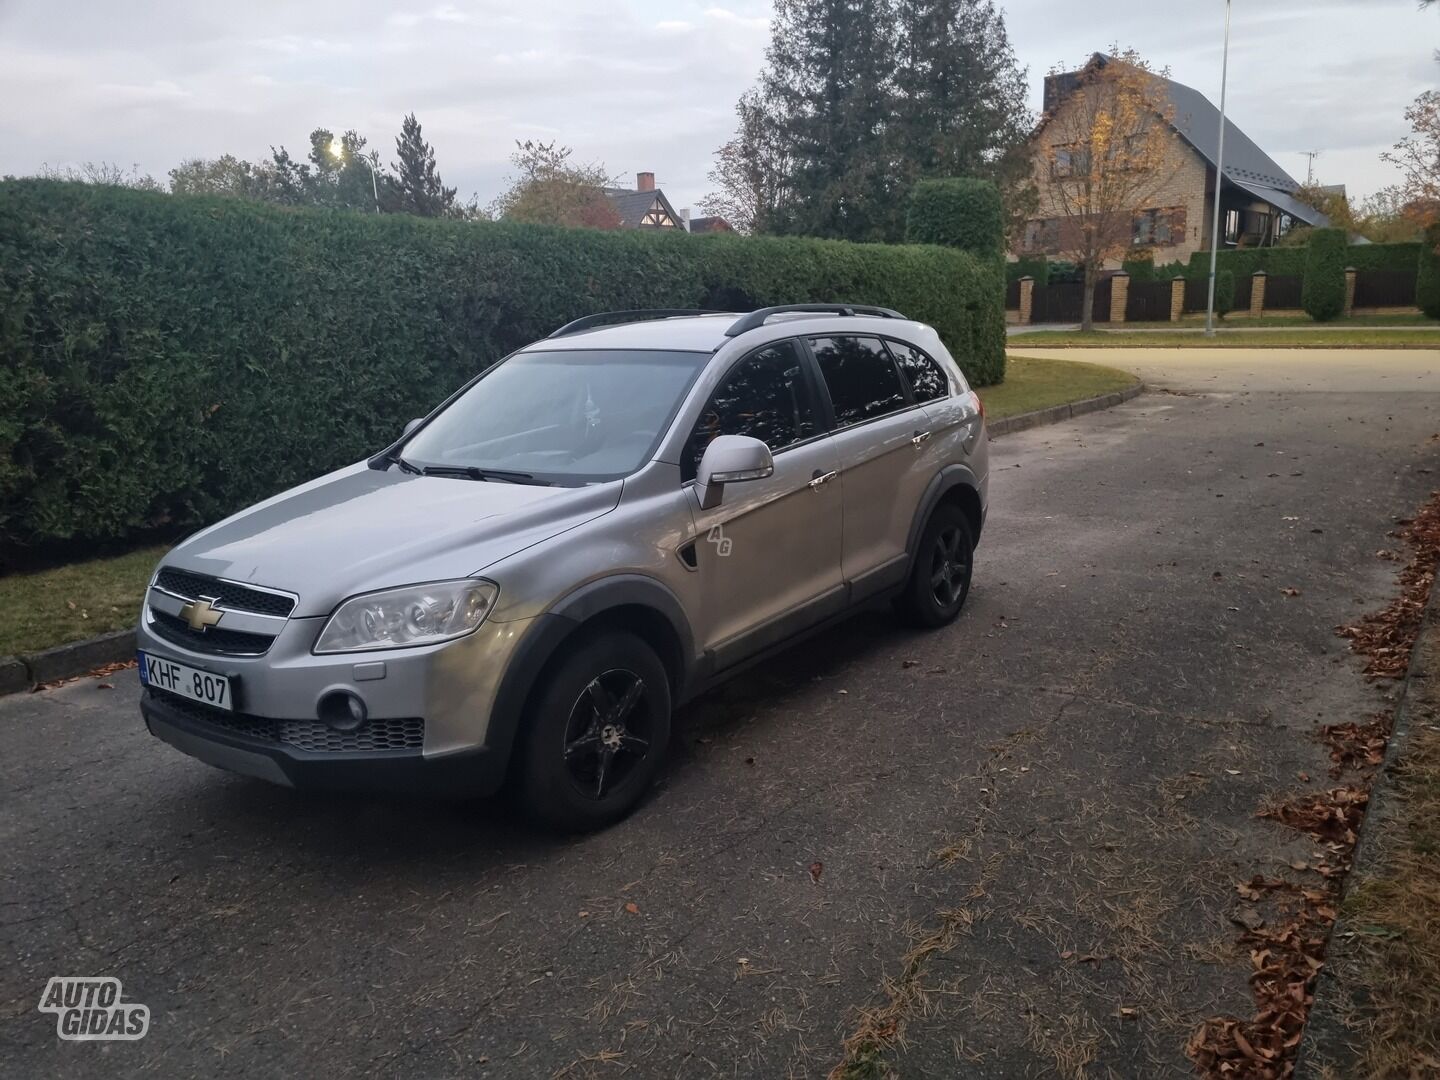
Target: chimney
x=645, y=181
x=685, y=219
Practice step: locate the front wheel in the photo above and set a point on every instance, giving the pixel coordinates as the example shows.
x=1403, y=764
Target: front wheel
x=596, y=733
x=940, y=577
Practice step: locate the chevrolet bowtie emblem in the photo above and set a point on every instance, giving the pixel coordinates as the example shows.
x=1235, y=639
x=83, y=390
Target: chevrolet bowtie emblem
x=200, y=614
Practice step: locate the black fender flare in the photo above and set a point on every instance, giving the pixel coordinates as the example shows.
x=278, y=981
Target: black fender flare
x=549, y=631
x=941, y=484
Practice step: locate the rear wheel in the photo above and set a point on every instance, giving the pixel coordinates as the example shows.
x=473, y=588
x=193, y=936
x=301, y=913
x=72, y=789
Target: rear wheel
x=596, y=733
x=940, y=577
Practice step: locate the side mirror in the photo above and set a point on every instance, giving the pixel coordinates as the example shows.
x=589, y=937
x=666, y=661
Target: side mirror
x=411, y=425
x=730, y=459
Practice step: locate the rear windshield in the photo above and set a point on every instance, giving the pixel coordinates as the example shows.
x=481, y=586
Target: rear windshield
x=565, y=417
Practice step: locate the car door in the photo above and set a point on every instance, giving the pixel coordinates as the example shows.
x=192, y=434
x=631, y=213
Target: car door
x=880, y=435
x=768, y=555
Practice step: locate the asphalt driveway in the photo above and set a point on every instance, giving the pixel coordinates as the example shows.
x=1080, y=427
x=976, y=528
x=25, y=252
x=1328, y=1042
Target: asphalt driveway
x=1013, y=842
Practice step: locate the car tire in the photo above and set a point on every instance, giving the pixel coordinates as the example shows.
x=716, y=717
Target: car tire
x=939, y=579
x=596, y=732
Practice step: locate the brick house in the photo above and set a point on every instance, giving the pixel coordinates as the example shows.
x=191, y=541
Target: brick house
x=1257, y=197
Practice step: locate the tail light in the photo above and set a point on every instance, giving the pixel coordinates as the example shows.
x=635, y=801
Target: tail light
x=979, y=404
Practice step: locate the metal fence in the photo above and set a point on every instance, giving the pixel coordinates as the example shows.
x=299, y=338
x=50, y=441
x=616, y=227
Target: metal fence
x=1384, y=288
x=1282, y=290
x=1148, y=301
x=1058, y=303
x=1012, y=295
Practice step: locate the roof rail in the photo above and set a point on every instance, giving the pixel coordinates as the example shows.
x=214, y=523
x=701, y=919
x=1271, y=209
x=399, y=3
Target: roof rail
x=757, y=318
x=600, y=318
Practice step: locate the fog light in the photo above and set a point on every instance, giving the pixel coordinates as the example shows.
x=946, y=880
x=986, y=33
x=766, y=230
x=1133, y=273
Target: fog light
x=342, y=710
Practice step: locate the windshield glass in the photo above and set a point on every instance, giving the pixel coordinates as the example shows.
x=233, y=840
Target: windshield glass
x=562, y=417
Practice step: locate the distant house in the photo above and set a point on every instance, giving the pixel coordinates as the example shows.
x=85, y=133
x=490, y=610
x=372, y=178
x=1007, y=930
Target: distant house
x=1257, y=197
x=646, y=207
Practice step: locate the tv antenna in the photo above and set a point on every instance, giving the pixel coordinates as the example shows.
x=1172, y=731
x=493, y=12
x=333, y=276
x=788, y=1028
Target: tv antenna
x=1309, y=156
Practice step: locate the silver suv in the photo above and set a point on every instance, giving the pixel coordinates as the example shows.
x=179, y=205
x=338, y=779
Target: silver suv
x=520, y=589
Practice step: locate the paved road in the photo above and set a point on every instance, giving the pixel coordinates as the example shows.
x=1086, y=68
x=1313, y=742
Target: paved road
x=1029, y=825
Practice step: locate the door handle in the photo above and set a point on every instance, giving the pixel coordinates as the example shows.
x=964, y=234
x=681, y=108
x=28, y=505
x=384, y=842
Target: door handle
x=919, y=439
x=821, y=478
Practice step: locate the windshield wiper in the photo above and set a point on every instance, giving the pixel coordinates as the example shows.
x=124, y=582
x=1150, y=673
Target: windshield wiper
x=475, y=472
x=394, y=458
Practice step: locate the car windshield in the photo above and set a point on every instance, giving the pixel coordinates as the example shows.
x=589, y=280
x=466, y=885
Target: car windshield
x=562, y=417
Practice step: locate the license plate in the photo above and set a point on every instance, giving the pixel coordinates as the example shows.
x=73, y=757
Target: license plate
x=161, y=674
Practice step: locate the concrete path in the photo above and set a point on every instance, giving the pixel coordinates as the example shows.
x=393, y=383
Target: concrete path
x=1014, y=841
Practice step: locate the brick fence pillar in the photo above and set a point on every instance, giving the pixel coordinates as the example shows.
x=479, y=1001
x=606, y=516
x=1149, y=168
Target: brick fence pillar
x=1350, y=274
x=1177, y=298
x=1257, y=294
x=1027, y=298
x=1119, y=294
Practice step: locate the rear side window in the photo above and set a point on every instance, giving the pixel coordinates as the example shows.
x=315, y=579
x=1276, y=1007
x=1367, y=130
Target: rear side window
x=860, y=376
x=765, y=396
x=923, y=374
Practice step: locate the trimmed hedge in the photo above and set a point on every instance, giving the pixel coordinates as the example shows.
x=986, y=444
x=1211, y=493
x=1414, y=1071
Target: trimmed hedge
x=1427, y=284
x=1034, y=266
x=1224, y=291
x=1141, y=268
x=1323, y=293
x=1290, y=261
x=961, y=212
x=165, y=360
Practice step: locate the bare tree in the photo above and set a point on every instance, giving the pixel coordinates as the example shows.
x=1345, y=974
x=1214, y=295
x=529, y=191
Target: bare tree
x=1102, y=156
x=1418, y=158
x=750, y=169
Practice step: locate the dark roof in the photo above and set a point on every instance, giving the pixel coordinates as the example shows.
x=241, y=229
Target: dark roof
x=710, y=225
x=1246, y=165
x=632, y=206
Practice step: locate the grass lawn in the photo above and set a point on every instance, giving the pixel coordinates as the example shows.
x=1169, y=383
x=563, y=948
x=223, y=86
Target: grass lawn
x=1373, y=338
x=1031, y=384
x=71, y=603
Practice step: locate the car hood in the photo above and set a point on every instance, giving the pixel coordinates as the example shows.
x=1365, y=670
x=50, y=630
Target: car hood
x=361, y=529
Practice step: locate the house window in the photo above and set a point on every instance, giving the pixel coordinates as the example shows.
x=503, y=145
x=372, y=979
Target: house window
x=1042, y=234
x=1157, y=228
x=1070, y=161
x=1232, y=226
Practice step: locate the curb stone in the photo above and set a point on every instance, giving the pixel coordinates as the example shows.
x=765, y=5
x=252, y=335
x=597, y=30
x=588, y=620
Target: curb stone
x=1326, y=1048
x=27, y=670
x=67, y=661
x=1060, y=413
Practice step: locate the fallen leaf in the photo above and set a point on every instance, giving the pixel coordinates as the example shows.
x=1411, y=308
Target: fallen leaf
x=105, y=686
x=633, y=908
x=1288, y=591
x=816, y=869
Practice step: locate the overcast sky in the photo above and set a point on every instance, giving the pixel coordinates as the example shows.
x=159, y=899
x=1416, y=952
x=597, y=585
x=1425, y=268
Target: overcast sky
x=635, y=84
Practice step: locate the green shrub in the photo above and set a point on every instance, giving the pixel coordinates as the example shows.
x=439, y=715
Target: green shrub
x=1323, y=294
x=1427, y=284
x=165, y=360
x=1224, y=292
x=963, y=212
x=1140, y=268
x=1290, y=261
x=1035, y=266
x=1169, y=271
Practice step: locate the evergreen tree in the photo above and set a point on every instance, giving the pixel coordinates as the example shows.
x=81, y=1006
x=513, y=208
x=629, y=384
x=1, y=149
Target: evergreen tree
x=961, y=95
x=416, y=188
x=829, y=75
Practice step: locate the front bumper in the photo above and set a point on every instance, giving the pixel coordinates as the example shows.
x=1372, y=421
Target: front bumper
x=461, y=774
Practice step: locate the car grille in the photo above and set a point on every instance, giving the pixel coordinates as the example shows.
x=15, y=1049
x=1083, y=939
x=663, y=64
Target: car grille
x=406, y=733
x=214, y=640
x=227, y=594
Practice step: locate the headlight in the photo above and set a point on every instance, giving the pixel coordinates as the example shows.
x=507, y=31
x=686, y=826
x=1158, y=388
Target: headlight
x=414, y=615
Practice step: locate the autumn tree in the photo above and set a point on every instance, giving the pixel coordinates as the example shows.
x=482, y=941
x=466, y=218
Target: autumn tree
x=1417, y=156
x=225, y=175
x=1102, y=156
x=551, y=189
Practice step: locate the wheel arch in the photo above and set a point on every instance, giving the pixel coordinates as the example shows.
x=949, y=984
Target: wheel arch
x=956, y=485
